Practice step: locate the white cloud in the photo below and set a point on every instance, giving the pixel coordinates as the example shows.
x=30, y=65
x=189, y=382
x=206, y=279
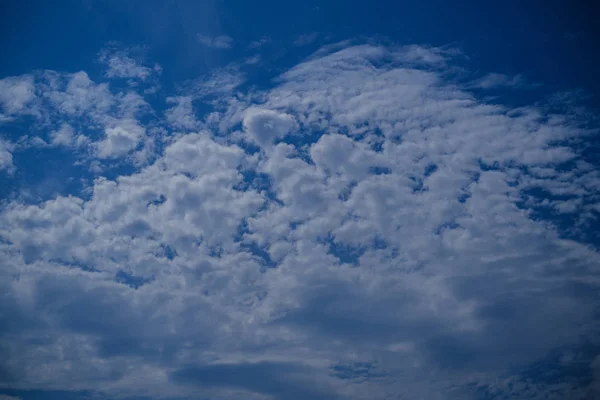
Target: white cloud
x=494, y=80
x=264, y=126
x=6, y=158
x=388, y=237
x=259, y=43
x=220, y=82
x=215, y=42
x=121, y=65
x=253, y=60
x=122, y=137
x=306, y=39
x=66, y=136
x=422, y=55
x=181, y=115
x=16, y=95
x=80, y=96
x=73, y=111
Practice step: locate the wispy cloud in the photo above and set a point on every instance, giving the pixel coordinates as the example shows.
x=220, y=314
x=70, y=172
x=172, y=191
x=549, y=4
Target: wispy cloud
x=496, y=80
x=306, y=39
x=6, y=158
x=121, y=64
x=215, y=42
x=259, y=43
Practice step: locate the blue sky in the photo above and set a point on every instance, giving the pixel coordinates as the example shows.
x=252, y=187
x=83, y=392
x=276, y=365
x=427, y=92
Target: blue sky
x=309, y=200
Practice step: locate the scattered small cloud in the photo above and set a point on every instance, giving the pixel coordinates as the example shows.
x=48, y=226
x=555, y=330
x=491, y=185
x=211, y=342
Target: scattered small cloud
x=121, y=64
x=66, y=136
x=306, y=39
x=219, y=82
x=259, y=43
x=215, y=42
x=255, y=59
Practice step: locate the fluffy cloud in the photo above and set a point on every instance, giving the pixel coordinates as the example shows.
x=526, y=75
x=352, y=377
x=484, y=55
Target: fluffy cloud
x=392, y=227
x=69, y=111
x=264, y=126
x=120, y=64
x=121, y=138
x=181, y=115
x=16, y=93
x=80, y=95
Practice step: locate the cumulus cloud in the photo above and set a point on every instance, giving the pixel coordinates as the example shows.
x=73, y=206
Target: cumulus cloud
x=215, y=42
x=121, y=137
x=80, y=95
x=264, y=126
x=90, y=119
x=120, y=64
x=392, y=226
x=16, y=94
x=66, y=136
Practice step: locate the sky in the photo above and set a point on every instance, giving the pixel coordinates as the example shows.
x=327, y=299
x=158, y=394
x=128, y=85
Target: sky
x=272, y=200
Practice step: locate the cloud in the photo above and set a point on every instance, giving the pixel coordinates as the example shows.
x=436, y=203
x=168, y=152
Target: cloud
x=253, y=60
x=366, y=210
x=120, y=64
x=495, y=80
x=264, y=126
x=306, y=39
x=16, y=95
x=65, y=136
x=181, y=115
x=220, y=82
x=259, y=43
x=80, y=95
x=275, y=379
x=6, y=158
x=122, y=137
x=92, y=120
x=215, y=42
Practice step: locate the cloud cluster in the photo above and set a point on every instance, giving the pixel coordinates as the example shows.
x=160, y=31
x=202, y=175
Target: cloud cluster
x=93, y=121
x=364, y=229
